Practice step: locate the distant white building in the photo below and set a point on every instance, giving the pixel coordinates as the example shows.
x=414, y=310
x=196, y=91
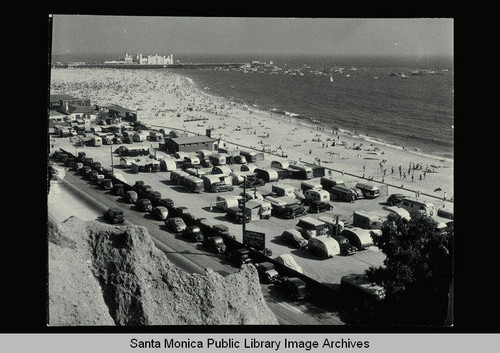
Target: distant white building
x=128, y=58
x=155, y=59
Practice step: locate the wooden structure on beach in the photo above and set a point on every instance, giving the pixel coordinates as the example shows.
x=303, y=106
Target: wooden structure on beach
x=189, y=144
x=118, y=112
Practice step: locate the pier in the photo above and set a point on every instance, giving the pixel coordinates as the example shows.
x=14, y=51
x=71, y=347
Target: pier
x=148, y=66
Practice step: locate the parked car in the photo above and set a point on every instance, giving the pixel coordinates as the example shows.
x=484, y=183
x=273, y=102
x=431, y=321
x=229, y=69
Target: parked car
x=267, y=273
x=205, y=163
x=176, y=224
x=168, y=202
x=319, y=206
x=288, y=261
x=144, y=188
x=293, y=286
x=114, y=215
x=106, y=184
x=160, y=212
x=93, y=175
x=144, y=205
x=85, y=170
x=119, y=189
x=154, y=195
x=194, y=233
x=252, y=181
x=81, y=155
x=222, y=229
x=183, y=210
x=236, y=215
x=215, y=244
x=395, y=199
x=294, y=238
x=239, y=256
x=131, y=196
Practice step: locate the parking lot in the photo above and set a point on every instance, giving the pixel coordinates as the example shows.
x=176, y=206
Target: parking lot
x=323, y=270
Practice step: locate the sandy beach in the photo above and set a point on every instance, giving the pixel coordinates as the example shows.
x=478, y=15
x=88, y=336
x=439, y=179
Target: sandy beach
x=163, y=98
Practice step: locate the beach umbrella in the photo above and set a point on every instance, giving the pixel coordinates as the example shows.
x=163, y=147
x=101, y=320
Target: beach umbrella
x=438, y=189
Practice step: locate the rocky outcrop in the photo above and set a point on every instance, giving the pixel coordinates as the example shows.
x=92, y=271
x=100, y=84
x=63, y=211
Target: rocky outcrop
x=114, y=275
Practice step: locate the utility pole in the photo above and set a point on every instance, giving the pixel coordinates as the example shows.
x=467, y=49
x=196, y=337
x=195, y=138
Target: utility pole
x=112, y=168
x=243, y=224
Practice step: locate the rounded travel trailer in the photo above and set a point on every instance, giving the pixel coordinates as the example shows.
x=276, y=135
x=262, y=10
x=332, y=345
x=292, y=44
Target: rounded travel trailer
x=266, y=174
x=204, y=154
x=283, y=190
x=360, y=238
x=225, y=202
x=342, y=193
x=416, y=207
x=311, y=184
x=311, y=227
x=239, y=159
x=304, y=172
x=217, y=159
x=176, y=175
x=279, y=164
x=167, y=164
x=399, y=211
x=367, y=220
x=324, y=247
x=248, y=168
x=195, y=161
x=317, y=195
x=369, y=191
x=221, y=169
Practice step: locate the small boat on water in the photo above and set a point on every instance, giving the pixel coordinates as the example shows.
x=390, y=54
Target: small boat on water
x=331, y=78
x=403, y=75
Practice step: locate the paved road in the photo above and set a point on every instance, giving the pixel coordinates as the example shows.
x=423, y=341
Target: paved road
x=77, y=196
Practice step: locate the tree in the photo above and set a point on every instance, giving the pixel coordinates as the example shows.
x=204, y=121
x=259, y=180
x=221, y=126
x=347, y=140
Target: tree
x=417, y=270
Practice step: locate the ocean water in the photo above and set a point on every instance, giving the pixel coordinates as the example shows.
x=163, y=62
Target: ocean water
x=416, y=113
x=364, y=97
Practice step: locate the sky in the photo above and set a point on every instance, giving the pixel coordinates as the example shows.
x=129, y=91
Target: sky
x=419, y=37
